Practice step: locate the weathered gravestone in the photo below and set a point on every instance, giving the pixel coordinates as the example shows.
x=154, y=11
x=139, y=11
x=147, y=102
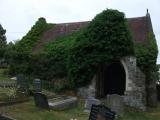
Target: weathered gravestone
x=22, y=84
x=37, y=86
x=100, y=112
x=89, y=102
x=116, y=103
x=41, y=100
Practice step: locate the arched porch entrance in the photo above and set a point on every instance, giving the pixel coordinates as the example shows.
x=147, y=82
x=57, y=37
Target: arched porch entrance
x=111, y=79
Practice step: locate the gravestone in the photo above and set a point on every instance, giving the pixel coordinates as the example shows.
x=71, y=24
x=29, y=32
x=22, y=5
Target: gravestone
x=89, y=102
x=116, y=103
x=100, y=112
x=41, y=100
x=22, y=84
x=37, y=86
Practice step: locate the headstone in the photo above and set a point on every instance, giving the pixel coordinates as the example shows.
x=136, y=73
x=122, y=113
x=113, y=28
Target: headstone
x=116, y=103
x=100, y=112
x=37, y=86
x=22, y=84
x=89, y=102
x=41, y=100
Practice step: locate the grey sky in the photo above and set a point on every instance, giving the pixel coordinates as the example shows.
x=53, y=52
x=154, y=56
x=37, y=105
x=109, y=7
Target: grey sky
x=17, y=16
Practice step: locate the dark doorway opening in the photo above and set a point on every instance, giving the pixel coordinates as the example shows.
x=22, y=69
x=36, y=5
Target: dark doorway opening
x=114, y=79
x=111, y=79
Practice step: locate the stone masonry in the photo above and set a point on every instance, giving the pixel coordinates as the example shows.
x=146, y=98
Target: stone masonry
x=135, y=93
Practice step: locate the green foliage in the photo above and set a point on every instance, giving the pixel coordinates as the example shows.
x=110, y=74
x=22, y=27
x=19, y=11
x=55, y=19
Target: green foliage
x=52, y=62
x=31, y=38
x=19, y=56
x=146, y=57
x=106, y=38
x=77, y=56
x=3, y=41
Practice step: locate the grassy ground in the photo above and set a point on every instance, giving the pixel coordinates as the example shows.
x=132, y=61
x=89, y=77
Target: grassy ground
x=4, y=77
x=28, y=111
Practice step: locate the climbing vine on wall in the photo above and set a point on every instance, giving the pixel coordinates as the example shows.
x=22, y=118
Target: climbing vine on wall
x=105, y=39
x=31, y=38
x=76, y=56
x=21, y=52
x=147, y=56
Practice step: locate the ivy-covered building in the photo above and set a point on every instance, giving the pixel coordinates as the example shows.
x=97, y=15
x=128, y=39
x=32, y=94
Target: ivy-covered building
x=105, y=56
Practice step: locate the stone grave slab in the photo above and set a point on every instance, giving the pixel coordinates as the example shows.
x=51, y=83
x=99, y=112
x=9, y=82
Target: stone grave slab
x=4, y=117
x=66, y=103
x=63, y=102
x=89, y=102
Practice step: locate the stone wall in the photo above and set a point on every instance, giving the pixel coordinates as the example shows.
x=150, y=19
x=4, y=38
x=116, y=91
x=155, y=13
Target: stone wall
x=135, y=94
x=88, y=91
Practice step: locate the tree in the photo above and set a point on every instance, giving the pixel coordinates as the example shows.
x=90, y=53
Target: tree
x=3, y=41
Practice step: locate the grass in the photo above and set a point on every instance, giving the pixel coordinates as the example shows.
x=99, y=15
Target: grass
x=4, y=77
x=132, y=114
x=28, y=111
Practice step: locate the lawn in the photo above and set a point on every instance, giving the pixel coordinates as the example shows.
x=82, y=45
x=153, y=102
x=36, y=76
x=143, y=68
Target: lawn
x=28, y=111
x=4, y=77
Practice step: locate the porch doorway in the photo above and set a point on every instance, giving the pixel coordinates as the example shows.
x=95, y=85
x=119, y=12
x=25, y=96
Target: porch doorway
x=111, y=79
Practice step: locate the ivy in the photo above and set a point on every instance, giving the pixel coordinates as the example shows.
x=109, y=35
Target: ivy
x=27, y=43
x=146, y=55
x=56, y=53
x=76, y=56
x=106, y=38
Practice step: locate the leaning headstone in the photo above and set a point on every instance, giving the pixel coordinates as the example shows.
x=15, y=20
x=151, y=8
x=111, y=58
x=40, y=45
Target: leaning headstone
x=41, y=100
x=116, y=103
x=37, y=86
x=89, y=102
x=101, y=112
x=22, y=84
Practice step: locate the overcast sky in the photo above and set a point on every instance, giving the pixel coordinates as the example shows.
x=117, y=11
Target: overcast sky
x=17, y=16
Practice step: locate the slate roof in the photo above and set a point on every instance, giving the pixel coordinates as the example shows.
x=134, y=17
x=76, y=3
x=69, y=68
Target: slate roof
x=138, y=27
